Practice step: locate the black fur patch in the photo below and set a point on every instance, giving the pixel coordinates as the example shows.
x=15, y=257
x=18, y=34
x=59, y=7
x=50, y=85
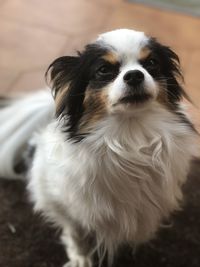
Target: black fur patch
x=166, y=69
x=78, y=73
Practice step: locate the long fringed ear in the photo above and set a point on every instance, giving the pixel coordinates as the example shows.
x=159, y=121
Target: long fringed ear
x=68, y=82
x=172, y=71
x=61, y=72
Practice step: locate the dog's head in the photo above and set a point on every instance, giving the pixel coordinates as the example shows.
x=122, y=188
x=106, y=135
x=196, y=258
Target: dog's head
x=123, y=71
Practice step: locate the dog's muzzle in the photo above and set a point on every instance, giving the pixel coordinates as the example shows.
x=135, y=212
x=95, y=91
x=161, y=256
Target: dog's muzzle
x=135, y=89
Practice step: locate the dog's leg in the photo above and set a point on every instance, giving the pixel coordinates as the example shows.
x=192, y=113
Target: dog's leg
x=78, y=246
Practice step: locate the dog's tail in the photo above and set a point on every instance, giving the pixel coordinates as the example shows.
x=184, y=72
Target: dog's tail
x=20, y=118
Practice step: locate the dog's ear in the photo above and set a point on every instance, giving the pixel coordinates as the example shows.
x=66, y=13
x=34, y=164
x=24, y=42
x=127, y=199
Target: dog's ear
x=62, y=72
x=69, y=79
x=171, y=71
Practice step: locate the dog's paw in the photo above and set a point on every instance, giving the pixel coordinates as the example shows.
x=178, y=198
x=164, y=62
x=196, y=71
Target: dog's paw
x=80, y=261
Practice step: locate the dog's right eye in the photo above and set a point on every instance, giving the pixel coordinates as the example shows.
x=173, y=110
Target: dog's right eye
x=104, y=70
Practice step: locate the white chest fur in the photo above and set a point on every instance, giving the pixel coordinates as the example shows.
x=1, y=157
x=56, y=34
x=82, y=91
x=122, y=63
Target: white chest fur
x=120, y=181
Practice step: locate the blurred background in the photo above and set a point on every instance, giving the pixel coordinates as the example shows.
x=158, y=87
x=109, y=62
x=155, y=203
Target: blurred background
x=35, y=32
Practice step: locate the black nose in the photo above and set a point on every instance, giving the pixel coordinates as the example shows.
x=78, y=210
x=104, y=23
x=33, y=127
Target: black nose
x=134, y=77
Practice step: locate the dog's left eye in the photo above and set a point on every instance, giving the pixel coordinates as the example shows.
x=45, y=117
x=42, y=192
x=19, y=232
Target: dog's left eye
x=151, y=63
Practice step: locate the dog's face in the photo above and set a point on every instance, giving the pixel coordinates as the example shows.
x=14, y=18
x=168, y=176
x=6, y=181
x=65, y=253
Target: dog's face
x=122, y=72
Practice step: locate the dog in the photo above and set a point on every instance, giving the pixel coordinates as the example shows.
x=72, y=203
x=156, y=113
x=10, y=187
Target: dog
x=105, y=153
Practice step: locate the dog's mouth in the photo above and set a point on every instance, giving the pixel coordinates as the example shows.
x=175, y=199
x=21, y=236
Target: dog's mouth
x=135, y=98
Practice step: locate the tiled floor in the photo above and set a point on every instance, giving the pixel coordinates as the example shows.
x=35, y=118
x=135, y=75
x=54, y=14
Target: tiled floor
x=34, y=32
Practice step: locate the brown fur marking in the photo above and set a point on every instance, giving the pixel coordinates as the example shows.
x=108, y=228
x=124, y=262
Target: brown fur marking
x=111, y=57
x=144, y=53
x=95, y=104
x=59, y=97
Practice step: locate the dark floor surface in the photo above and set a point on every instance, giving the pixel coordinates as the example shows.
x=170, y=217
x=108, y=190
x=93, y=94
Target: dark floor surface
x=26, y=241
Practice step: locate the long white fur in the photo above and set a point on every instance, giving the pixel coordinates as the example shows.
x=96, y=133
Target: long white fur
x=19, y=120
x=120, y=181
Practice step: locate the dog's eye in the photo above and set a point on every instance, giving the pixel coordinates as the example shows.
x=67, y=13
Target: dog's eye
x=152, y=63
x=103, y=70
